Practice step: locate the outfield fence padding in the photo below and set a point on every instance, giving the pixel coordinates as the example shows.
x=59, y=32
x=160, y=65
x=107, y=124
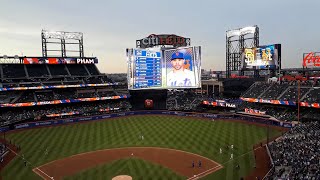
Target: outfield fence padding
x=154, y=112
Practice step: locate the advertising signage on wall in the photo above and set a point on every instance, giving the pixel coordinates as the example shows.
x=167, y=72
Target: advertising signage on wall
x=47, y=60
x=162, y=39
x=311, y=60
x=10, y=60
x=58, y=60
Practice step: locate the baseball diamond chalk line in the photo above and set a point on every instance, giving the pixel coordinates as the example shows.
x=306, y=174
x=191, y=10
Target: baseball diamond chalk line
x=220, y=166
x=132, y=148
x=215, y=167
x=34, y=169
x=204, y=173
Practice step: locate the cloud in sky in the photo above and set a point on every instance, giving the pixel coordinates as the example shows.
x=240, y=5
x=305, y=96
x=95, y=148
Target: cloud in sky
x=111, y=26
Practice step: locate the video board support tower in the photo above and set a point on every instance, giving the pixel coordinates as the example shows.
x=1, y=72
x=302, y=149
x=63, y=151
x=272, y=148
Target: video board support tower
x=236, y=41
x=61, y=38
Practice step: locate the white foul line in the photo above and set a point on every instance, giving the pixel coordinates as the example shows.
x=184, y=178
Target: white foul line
x=30, y=163
x=204, y=172
x=198, y=175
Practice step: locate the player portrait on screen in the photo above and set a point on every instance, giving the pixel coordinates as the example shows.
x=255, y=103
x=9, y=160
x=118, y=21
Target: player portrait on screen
x=180, y=75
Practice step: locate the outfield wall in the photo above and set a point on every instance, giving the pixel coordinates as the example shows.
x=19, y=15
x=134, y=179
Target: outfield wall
x=173, y=113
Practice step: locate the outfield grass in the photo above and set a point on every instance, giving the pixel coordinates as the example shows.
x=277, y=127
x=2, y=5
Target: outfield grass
x=197, y=136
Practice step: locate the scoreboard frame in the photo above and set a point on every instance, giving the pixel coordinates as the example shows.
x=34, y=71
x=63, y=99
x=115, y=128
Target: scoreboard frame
x=131, y=74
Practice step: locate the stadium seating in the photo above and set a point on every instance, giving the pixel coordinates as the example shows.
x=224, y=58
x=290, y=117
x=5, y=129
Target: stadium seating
x=37, y=70
x=106, y=93
x=92, y=69
x=312, y=96
x=296, y=155
x=58, y=70
x=64, y=94
x=25, y=96
x=39, y=113
x=13, y=71
x=256, y=90
x=292, y=93
x=35, y=75
x=184, y=100
x=93, y=80
x=274, y=91
x=3, y=152
x=281, y=112
x=284, y=91
x=17, y=75
x=46, y=95
x=77, y=70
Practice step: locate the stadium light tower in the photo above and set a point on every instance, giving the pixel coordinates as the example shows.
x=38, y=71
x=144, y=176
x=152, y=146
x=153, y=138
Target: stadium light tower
x=62, y=38
x=298, y=101
x=236, y=41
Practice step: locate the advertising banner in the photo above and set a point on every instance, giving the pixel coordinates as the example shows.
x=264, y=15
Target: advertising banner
x=288, y=103
x=311, y=60
x=59, y=60
x=220, y=103
x=162, y=39
x=254, y=111
x=61, y=101
x=57, y=86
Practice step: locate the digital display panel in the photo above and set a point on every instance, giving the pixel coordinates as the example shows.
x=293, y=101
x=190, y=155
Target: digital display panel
x=262, y=57
x=181, y=68
x=60, y=60
x=164, y=69
x=147, y=69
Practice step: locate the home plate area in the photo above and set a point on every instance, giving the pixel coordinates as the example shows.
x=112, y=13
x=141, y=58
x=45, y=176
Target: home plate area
x=178, y=161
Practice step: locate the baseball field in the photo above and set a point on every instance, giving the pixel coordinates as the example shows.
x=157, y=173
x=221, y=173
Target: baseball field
x=143, y=147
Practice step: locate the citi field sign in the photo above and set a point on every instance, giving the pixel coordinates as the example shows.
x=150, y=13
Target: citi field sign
x=162, y=39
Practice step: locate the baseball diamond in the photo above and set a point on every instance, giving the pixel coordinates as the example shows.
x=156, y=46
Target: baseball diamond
x=56, y=151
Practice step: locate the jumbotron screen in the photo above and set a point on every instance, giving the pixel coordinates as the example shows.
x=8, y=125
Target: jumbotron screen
x=262, y=57
x=164, y=69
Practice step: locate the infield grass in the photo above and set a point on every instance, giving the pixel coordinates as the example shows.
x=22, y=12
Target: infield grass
x=129, y=166
x=198, y=136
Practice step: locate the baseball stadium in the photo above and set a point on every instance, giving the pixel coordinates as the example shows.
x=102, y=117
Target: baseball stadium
x=166, y=118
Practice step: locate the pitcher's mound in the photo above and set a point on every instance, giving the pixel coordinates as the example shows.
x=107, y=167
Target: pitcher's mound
x=122, y=177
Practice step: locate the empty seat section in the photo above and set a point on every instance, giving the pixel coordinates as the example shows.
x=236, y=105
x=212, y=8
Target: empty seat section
x=77, y=70
x=92, y=69
x=58, y=70
x=37, y=70
x=13, y=70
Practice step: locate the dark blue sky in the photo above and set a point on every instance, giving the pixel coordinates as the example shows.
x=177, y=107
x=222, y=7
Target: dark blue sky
x=110, y=27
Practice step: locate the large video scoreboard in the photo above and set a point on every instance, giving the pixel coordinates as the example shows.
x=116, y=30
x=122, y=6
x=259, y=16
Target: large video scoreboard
x=164, y=69
x=262, y=57
x=147, y=69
